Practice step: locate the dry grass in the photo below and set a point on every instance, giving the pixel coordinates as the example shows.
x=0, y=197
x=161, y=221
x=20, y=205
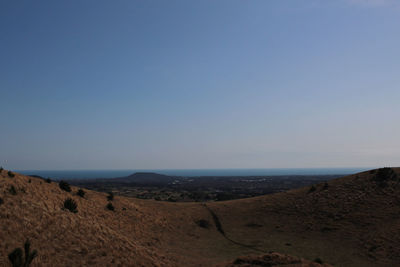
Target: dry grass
x=352, y=222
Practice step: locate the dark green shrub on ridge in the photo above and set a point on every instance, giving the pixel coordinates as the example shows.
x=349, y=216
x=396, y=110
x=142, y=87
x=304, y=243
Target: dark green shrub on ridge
x=110, y=196
x=70, y=205
x=64, y=186
x=48, y=180
x=17, y=258
x=81, y=193
x=12, y=190
x=10, y=174
x=312, y=189
x=110, y=206
x=318, y=260
x=326, y=186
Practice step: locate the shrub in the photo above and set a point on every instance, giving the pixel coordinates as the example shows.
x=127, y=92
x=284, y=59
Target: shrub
x=318, y=260
x=312, y=189
x=48, y=180
x=64, y=186
x=203, y=223
x=110, y=196
x=12, y=190
x=326, y=186
x=383, y=175
x=1, y=201
x=17, y=258
x=29, y=181
x=1, y=169
x=110, y=206
x=70, y=205
x=10, y=174
x=81, y=193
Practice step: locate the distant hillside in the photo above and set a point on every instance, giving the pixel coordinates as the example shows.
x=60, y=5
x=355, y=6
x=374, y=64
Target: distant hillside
x=350, y=221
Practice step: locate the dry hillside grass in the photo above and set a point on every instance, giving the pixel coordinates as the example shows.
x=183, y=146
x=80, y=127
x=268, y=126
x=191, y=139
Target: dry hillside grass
x=353, y=221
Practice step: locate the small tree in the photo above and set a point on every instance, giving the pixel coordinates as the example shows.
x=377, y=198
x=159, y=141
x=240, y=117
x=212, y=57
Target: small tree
x=10, y=174
x=1, y=169
x=326, y=186
x=12, y=190
x=81, y=193
x=70, y=205
x=110, y=196
x=48, y=180
x=312, y=189
x=64, y=186
x=110, y=206
x=17, y=258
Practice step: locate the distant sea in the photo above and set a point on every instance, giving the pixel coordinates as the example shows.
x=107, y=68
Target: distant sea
x=90, y=174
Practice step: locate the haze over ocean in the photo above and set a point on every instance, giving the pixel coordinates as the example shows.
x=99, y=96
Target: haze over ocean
x=71, y=174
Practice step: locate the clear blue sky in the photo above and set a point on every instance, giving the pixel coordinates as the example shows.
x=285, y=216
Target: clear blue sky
x=199, y=84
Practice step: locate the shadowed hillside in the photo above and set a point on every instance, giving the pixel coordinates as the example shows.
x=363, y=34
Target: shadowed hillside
x=351, y=221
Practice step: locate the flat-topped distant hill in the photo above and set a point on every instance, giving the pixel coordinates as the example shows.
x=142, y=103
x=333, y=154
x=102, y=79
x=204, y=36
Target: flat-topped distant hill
x=349, y=221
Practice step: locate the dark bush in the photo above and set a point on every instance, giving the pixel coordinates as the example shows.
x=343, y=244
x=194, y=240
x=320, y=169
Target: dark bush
x=70, y=205
x=203, y=223
x=12, y=190
x=318, y=260
x=383, y=175
x=110, y=206
x=312, y=189
x=48, y=180
x=110, y=196
x=29, y=181
x=10, y=174
x=1, y=169
x=81, y=193
x=17, y=258
x=64, y=186
x=1, y=201
x=326, y=186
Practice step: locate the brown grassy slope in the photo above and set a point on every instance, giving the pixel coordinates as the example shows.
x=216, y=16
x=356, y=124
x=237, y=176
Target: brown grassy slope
x=353, y=222
x=138, y=236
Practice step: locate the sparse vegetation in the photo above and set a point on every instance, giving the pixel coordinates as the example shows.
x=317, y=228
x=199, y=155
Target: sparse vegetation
x=10, y=174
x=110, y=196
x=110, y=206
x=64, y=186
x=81, y=193
x=12, y=190
x=48, y=180
x=70, y=205
x=17, y=258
